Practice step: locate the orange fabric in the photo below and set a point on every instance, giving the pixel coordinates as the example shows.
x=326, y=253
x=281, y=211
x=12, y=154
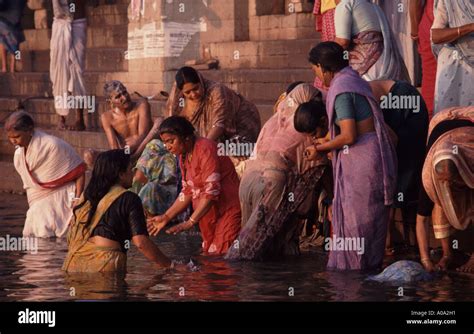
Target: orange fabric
x=71, y=176
x=211, y=176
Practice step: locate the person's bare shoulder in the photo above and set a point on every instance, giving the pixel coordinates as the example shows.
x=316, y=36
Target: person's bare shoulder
x=106, y=117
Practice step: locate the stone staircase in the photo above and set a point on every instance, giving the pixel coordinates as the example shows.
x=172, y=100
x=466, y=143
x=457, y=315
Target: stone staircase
x=259, y=69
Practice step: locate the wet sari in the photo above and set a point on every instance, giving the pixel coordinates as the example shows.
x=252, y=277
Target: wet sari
x=85, y=256
x=364, y=182
x=278, y=185
x=208, y=175
x=161, y=170
x=457, y=145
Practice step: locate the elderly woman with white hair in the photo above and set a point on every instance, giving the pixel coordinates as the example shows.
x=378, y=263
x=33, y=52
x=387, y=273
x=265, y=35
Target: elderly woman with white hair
x=52, y=174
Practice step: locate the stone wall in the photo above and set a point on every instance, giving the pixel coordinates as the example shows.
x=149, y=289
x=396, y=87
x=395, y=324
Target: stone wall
x=164, y=34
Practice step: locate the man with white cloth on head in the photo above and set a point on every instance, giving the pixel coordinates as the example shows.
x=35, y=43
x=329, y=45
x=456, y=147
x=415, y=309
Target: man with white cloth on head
x=68, y=47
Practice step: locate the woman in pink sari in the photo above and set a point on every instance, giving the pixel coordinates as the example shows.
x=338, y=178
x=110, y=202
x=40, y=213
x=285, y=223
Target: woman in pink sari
x=278, y=185
x=52, y=174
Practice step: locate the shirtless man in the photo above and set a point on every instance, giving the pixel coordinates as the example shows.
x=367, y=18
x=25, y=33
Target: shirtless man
x=126, y=123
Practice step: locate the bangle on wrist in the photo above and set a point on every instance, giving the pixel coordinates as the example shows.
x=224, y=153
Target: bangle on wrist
x=425, y=259
x=193, y=221
x=167, y=217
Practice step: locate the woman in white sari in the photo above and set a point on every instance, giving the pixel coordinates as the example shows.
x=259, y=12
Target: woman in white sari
x=453, y=35
x=363, y=30
x=52, y=174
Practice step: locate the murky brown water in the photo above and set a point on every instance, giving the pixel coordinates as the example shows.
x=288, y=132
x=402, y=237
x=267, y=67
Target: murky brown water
x=37, y=277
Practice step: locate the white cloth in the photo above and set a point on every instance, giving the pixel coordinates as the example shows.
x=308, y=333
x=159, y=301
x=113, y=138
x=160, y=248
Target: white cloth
x=47, y=159
x=397, y=14
x=68, y=47
x=454, y=84
x=390, y=65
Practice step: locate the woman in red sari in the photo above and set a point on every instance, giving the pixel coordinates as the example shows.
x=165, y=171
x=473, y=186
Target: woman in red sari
x=210, y=183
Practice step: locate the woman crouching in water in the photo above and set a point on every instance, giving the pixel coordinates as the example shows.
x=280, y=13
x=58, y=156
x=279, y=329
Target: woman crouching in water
x=107, y=218
x=210, y=183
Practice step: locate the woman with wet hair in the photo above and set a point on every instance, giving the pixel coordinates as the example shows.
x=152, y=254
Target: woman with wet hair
x=107, y=219
x=363, y=158
x=52, y=174
x=209, y=182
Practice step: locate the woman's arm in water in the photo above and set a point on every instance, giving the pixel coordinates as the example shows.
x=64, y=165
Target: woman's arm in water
x=151, y=251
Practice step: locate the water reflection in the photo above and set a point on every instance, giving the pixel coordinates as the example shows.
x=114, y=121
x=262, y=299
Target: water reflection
x=87, y=286
x=38, y=277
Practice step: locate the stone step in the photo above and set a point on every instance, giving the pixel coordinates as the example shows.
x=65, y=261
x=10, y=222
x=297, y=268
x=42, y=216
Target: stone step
x=97, y=37
x=38, y=84
x=254, y=84
x=261, y=84
x=43, y=113
x=263, y=54
x=282, y=27
x=97, y=59
x=82, y=140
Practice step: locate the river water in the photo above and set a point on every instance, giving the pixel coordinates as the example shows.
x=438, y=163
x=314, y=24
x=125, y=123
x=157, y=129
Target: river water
x=38, y=277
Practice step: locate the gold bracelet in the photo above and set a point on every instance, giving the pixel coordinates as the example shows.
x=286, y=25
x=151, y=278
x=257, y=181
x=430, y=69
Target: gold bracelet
x=193, y=221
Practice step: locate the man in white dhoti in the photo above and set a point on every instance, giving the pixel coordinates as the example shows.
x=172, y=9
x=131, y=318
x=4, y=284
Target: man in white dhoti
x=52, y=174
x=68, y=47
